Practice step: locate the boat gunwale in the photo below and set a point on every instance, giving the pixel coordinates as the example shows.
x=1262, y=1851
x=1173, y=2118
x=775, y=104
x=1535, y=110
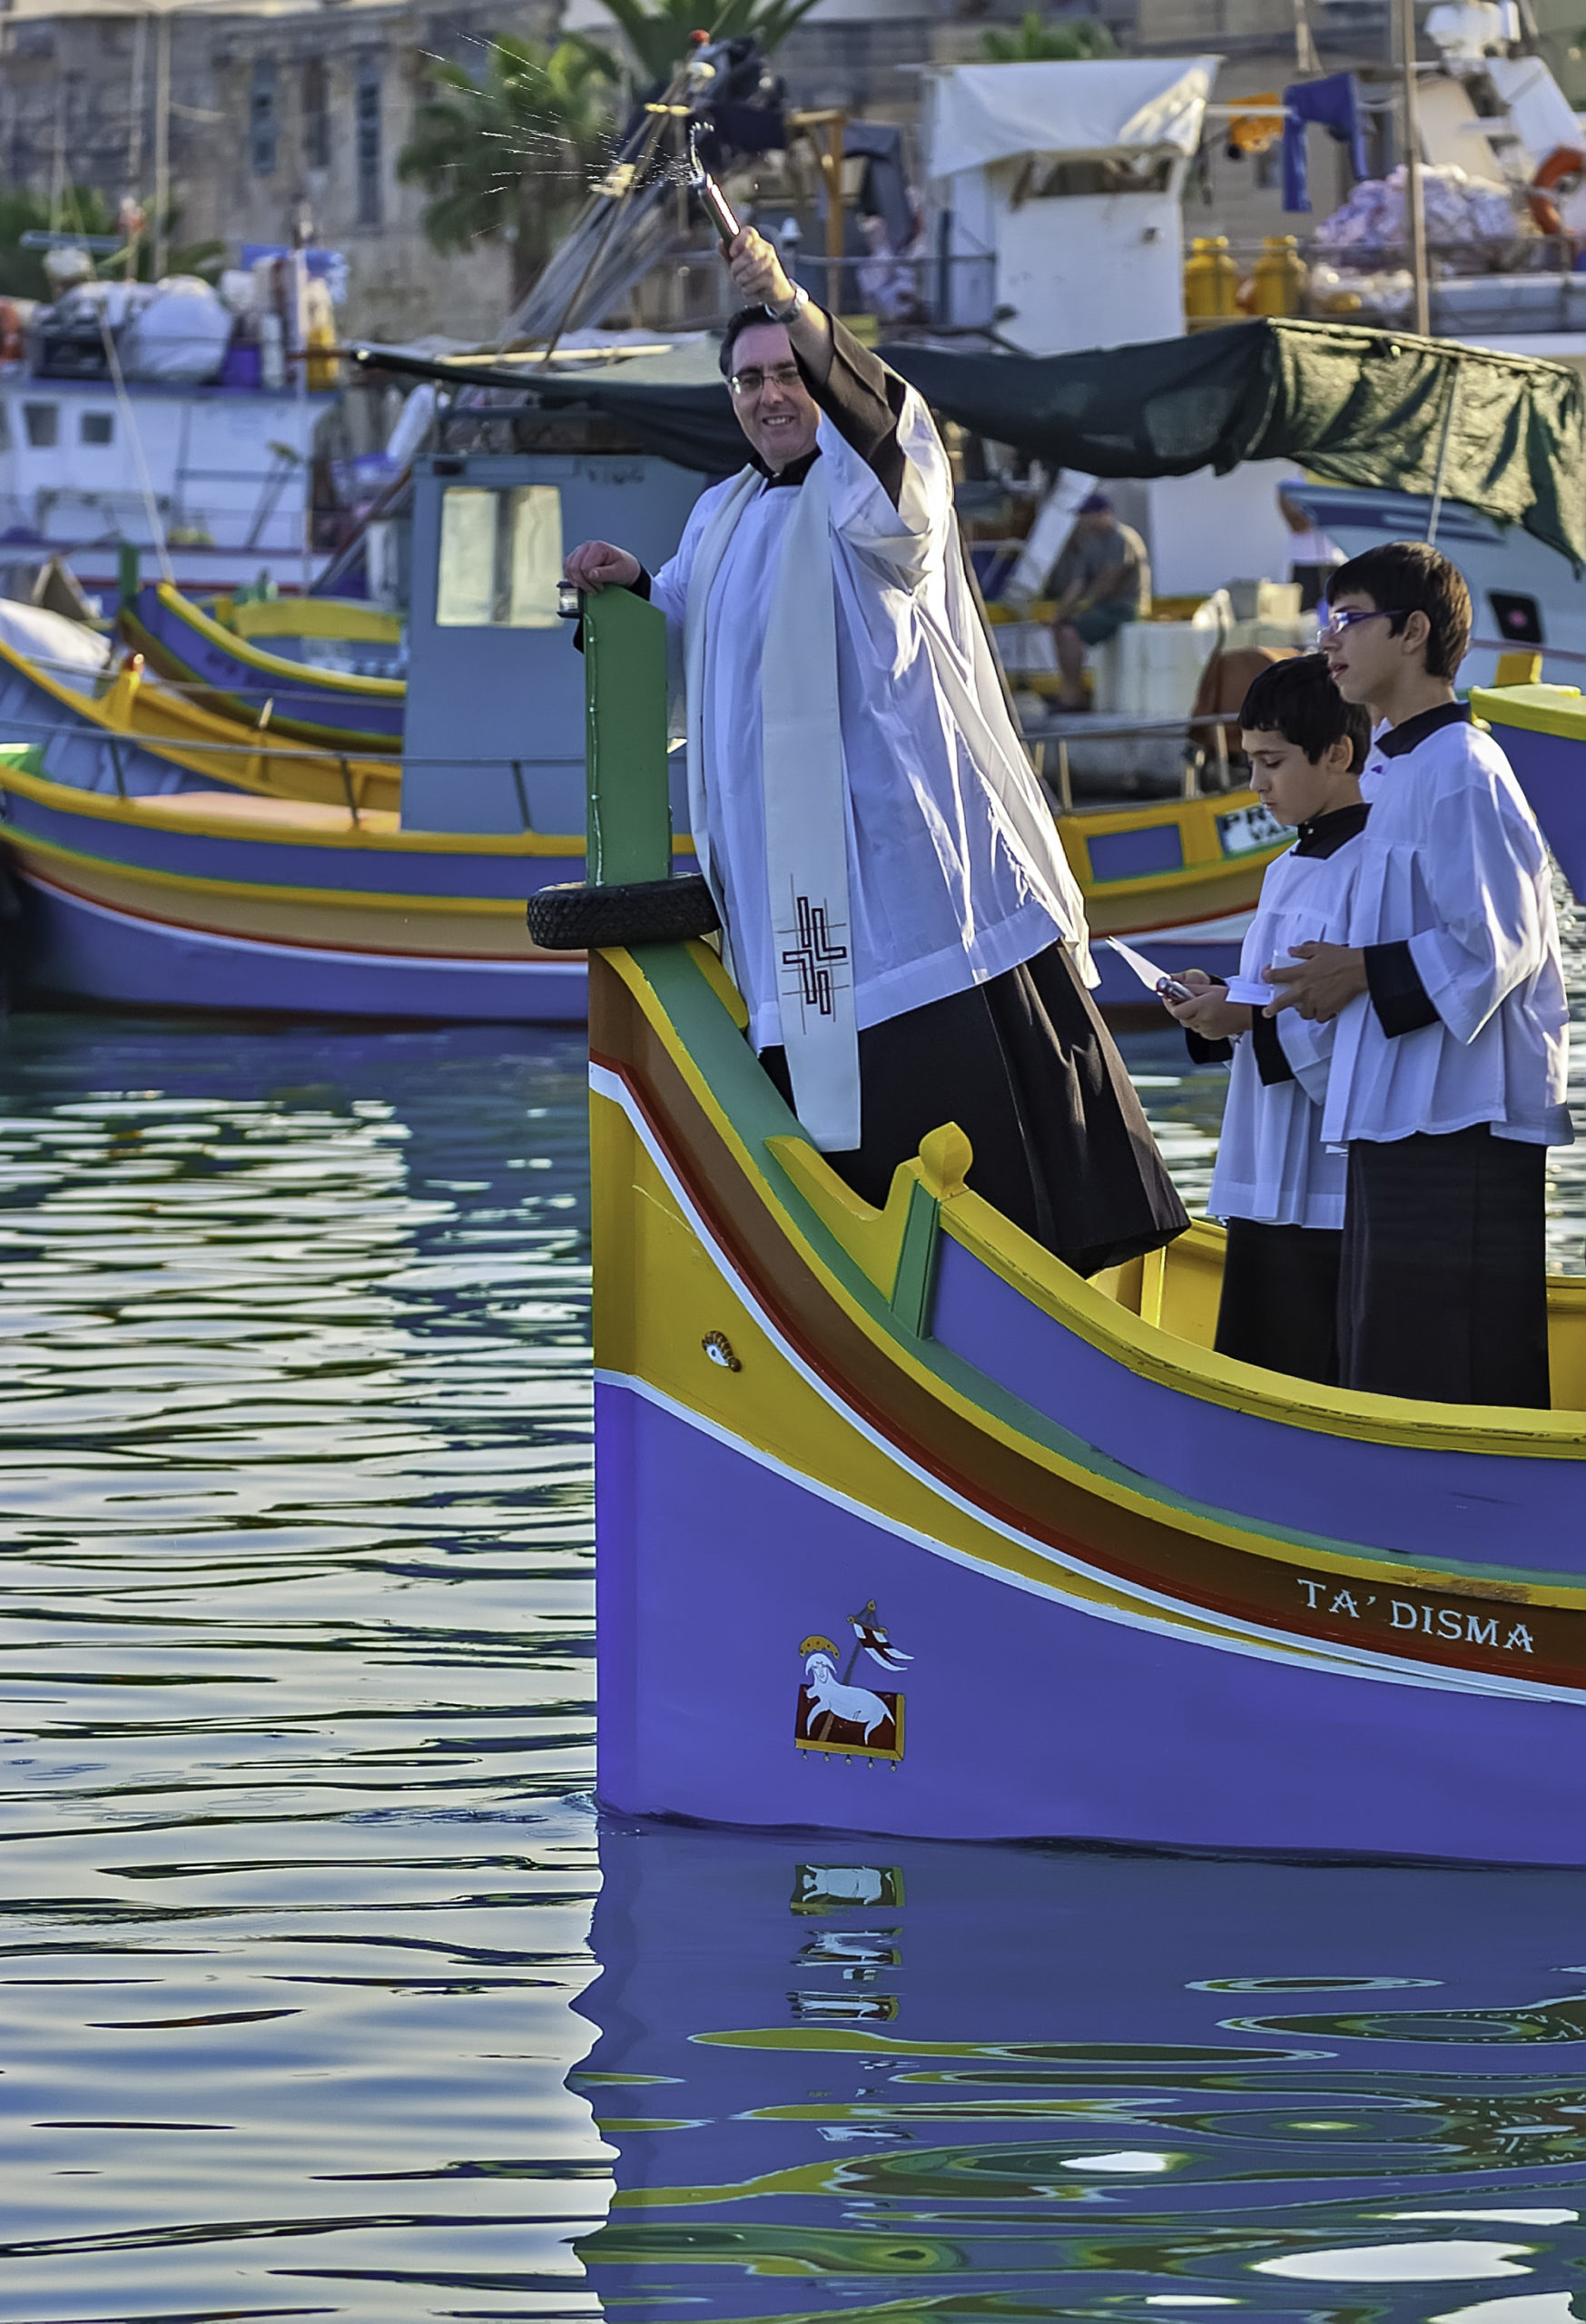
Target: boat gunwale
x=257, y=658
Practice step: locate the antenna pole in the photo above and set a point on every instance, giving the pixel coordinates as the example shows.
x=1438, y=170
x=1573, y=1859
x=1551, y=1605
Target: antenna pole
x=1415, y=203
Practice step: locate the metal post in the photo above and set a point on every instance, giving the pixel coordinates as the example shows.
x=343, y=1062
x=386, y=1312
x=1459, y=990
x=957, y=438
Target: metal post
x=1437, y=481
x=162, y=142
x=835, y=129
x=135, y=114
x=1414, y=205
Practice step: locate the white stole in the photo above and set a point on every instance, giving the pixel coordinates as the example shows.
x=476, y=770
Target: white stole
x=805, y=796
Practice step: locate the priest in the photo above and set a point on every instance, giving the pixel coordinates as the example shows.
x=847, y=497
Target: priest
x=896, y=905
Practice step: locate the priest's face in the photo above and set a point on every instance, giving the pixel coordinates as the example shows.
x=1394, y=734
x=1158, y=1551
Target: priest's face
x=775, y=409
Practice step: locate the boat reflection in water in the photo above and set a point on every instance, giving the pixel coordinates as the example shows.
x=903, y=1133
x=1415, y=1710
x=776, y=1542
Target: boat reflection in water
x=901, y=2078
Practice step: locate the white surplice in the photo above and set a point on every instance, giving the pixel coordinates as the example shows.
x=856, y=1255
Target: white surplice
x=1453, y=864
x=955, y=870
x=1273, y=1164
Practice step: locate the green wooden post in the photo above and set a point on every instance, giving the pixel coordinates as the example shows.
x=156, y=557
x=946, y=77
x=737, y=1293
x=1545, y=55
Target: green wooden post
x=624, y=677
x=127, y=573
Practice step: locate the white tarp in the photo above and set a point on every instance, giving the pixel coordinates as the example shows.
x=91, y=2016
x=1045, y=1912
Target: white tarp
x=997, y=112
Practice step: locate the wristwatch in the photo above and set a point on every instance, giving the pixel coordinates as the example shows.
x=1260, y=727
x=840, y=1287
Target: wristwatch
x=794, y=307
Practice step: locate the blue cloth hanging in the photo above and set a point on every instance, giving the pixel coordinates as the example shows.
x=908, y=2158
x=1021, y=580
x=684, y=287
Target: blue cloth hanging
x=1336, y=103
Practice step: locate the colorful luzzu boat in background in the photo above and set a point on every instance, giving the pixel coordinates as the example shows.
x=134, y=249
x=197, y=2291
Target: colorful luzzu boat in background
x=228, y=672
x=1189, y=867
x=118, y=731
x=492, y=745
x=211, y=900
x=1542, y=730
x=902, y=1527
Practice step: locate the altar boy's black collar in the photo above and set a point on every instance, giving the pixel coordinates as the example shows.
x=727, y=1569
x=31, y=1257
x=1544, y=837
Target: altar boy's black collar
x=1411, y=731
x=1326, y=834
x=795, y=473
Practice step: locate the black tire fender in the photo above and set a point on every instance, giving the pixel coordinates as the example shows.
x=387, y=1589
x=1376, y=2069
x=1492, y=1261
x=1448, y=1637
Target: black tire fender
x=576, y=919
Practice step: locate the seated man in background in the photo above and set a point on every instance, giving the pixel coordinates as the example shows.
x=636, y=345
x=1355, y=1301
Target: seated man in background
x=1101, y=580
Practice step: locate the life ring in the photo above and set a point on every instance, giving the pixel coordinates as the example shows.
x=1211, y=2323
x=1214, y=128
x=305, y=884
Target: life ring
x=576, y=919
x=1563, y=161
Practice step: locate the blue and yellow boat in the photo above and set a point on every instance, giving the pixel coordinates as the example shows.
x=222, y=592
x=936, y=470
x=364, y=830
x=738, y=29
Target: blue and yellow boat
x=217, y=900
x=218, y=658
x=1097, y=1580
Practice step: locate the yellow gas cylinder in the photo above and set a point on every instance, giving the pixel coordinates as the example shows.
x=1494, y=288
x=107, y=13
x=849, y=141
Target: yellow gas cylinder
x=1211, y=280
x=1281, y=279
x=323, y=367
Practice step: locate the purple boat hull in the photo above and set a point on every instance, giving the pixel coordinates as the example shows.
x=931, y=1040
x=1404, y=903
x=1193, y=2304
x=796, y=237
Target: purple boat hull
x=88, y=951
x=1026, y=1716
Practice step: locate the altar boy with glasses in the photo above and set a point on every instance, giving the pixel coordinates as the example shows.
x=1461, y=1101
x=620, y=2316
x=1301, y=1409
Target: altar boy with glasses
x=1448, y=1072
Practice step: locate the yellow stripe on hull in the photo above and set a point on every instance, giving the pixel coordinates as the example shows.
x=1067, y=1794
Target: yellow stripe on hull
x=335, y=920
x=290, y=822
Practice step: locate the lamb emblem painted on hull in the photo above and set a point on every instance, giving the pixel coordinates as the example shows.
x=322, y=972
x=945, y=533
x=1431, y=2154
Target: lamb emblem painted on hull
x=838, y=1718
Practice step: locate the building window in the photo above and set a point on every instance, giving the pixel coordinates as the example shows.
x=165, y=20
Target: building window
x=42, y=423
x=368, y=145
x=500, y=557
x=316, y=114
x=261, y=120
x=96, y=428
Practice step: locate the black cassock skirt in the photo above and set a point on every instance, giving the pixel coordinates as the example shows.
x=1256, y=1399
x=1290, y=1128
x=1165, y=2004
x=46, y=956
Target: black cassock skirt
x=1279, y=1305
x=1029, y=1073
x=1443, y=1291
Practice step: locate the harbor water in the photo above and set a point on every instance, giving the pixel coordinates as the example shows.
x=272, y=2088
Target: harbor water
x=327, y=1993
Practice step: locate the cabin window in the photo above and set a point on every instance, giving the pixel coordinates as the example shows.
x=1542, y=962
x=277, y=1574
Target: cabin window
x=42, y=423
x=96, y=428
x=5, y=427
x=316, y=114
x=1042, y=180
x=262, y=121
x=500, y=557
x=368, y=138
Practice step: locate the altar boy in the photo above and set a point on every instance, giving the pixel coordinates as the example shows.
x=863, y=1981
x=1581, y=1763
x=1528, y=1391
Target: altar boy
x=1277, y=1186
x=1448, y=1071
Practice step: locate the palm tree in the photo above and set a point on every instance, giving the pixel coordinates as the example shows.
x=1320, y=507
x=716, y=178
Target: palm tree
x=660, y=32
x=1044, y=40
x=511, y=156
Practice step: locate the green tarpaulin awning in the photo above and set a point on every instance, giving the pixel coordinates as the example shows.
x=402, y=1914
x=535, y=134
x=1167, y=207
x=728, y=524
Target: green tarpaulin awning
x=1369, y=408
x=1502, y=433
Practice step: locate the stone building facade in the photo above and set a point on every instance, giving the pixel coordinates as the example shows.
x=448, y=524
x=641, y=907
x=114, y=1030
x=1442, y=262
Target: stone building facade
x=270, y=115
x=276, y=106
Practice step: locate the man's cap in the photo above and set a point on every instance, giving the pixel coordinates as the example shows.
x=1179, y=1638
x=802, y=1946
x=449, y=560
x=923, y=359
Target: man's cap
x=1095, y=504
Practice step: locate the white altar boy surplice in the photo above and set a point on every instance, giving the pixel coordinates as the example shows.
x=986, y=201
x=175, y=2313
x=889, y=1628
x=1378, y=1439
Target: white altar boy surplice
x=1453, y=864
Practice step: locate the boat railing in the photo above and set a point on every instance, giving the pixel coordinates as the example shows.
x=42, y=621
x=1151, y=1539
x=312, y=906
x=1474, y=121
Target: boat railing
x=1055, y=732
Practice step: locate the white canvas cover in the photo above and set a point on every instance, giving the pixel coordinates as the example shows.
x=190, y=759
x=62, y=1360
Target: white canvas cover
x=997, y=112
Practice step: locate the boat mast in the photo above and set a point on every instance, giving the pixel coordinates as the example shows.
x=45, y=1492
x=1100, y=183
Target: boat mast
x=1414, y=204
x=162, y=139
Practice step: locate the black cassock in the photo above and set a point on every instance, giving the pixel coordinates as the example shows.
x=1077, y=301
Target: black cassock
x=1025, y=1067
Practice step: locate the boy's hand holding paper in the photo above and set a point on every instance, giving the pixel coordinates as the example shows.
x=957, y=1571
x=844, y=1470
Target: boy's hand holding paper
x=1318, y=979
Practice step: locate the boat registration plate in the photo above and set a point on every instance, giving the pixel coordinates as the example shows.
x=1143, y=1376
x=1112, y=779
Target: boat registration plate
x=1246, y=830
